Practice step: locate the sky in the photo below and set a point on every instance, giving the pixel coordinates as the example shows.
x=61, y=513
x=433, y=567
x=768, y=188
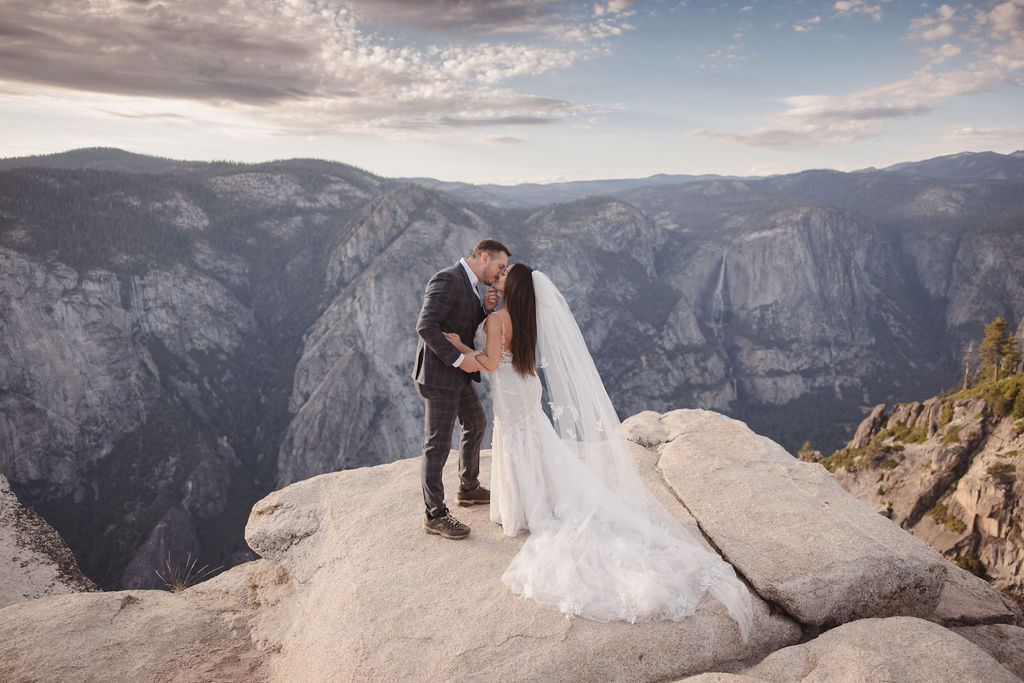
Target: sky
x=511, y=91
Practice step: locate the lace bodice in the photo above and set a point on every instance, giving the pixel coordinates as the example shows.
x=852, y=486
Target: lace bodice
x=481, y=343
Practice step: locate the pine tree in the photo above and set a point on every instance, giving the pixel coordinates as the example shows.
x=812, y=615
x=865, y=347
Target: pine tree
x=992, y=347
x=1011, y=356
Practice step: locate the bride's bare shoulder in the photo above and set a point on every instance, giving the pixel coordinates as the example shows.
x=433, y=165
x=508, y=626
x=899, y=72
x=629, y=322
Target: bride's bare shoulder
x=497, y=319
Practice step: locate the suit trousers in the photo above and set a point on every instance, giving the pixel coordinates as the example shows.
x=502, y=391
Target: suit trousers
x=443, y=407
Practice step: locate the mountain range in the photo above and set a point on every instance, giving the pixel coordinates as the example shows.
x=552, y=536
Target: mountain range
x=179, y=338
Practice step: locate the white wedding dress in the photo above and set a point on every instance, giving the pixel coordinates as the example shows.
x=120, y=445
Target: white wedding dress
x=600, y=545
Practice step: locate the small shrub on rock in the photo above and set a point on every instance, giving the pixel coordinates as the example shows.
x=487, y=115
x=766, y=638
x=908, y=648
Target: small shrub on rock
x=1002, y=472
x=952, y=435
x=940, y=512
x=901, y=432
x=972, y=563
x=946, y=416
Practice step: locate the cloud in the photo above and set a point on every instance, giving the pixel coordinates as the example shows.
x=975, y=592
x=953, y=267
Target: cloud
x=501, y=139
x=473, y=17
x=1006, y=29
x=996, y=38
x=302, y=65
x=612, y=7
x=166, y=116
x=941, y=54
x=819, y=121
x=806, y=24
x=847, y=8
x=1006, y=19
x=969, y=137
x=498, y=121
x=934, y=27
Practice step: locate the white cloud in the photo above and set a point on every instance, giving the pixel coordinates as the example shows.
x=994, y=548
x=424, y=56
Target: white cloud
x=972, y=132
x=934, y=27
x=612, y=7
x=1007, y=19
x=806, y=24
x=969, y=137
x=846, y=8
x=941, y=54
x=302, y=66
x=500, y=139
x=819, y=121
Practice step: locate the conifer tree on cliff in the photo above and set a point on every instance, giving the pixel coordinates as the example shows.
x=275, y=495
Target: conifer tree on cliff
x=1011, y=356
x=993, y=347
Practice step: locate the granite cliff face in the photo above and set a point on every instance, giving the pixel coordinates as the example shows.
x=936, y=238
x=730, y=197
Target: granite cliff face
x=949, y=470
x=180, y=339
x=146, y=349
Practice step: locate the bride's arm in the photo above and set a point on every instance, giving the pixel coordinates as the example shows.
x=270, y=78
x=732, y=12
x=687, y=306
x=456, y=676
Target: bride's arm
x=490, y=358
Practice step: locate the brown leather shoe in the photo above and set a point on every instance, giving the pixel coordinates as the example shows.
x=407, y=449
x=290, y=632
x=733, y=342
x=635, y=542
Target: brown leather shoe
x=446, y=526
x=477, y=496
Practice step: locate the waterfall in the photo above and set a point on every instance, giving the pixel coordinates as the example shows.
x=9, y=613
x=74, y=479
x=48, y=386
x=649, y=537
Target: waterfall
x=718, y=310
x=718, y=301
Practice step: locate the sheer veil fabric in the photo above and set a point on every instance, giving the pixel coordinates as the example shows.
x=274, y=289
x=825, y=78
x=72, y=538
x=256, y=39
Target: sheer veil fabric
x=600, y=545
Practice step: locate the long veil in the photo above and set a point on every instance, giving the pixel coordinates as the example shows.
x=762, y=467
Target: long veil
x=584, y=418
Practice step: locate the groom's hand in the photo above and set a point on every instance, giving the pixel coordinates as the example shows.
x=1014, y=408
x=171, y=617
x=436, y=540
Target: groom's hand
x=490, y=300
x=469, y=364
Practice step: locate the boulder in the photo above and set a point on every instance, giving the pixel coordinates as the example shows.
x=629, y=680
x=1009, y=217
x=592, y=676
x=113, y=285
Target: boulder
x=34, y=560
x=894, y=649
x=1004, y=642
x=795, y=534
x=869, y=426
x=126, y=636
x=967, y=600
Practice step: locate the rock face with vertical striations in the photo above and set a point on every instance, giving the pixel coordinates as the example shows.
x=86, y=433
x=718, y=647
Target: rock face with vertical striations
x=144, y=349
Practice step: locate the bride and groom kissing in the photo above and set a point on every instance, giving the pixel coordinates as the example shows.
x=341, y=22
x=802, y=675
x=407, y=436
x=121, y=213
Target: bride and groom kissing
x=600, y=546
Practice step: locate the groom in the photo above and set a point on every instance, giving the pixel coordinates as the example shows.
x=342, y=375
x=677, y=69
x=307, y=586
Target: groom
x=452, y=304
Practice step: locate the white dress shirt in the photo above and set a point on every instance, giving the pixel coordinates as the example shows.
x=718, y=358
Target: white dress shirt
x=472, y=283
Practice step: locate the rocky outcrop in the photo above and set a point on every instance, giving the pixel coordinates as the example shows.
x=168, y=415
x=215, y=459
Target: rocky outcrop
x=895, y=649
x=803, y=542
x=200, y=635
x=350, y=587
x=949, y=471
x=34, y=561
x=441, y=612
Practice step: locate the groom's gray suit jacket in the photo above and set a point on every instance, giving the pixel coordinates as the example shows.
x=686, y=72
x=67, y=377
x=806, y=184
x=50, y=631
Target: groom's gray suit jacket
x=449, y=305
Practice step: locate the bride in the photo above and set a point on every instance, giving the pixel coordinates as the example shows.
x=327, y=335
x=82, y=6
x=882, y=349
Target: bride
x=600, y=545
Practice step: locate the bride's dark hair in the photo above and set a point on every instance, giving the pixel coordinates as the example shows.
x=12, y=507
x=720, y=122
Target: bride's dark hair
x=521, y=304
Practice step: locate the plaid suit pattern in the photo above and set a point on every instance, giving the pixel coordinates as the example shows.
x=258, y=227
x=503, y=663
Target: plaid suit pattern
x=449, y=305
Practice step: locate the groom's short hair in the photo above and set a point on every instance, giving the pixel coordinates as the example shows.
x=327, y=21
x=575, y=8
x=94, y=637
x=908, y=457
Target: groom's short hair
x=492, y=247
